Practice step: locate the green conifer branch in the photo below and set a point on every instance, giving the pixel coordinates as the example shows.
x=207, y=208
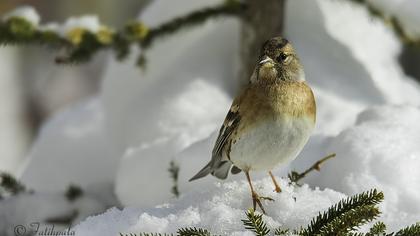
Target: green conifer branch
x=377, y=229
x=193, y=232
x=255, y=223
x=392, y=22
x=350, y=220
x=413, y=230
x=282, y=232
x=79, y=45
x=341, y=209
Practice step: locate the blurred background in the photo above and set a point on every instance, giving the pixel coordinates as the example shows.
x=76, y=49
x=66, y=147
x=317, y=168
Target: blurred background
x=33, y=87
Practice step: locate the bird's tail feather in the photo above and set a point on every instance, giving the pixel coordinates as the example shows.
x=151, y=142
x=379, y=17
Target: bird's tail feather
x=203, y=172
x=221, y=171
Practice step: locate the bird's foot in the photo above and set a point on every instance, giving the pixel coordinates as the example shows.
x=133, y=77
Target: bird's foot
x=277, y=189
x=256, y=199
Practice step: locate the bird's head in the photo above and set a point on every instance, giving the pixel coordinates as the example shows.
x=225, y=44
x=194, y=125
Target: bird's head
x=278, y=61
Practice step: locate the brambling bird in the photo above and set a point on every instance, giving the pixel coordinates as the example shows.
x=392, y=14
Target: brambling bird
x=269, y=121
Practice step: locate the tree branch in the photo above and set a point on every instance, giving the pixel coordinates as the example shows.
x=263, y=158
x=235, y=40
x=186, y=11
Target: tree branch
x=80, y=44
x=391, y=21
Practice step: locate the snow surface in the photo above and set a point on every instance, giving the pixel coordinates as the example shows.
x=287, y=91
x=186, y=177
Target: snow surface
x=126, y=138
x=217, y=208
x=27, y=208
x=380, y=151
x=74, y=136
x=13, y=135
x=26, y=12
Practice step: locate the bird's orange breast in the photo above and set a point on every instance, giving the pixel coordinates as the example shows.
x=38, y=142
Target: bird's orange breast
x=283, y=99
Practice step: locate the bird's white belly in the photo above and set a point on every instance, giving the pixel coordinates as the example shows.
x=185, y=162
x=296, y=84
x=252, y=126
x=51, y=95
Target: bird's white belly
x=271, y=143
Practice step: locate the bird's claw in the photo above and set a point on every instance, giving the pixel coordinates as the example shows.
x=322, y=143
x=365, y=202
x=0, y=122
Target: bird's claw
x=256, y=199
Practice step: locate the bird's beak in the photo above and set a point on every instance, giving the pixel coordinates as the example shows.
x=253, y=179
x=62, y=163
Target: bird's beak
x=265, y=60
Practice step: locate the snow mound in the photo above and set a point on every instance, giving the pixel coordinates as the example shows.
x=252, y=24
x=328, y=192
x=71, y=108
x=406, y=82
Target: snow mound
x=182, y=120
x=381, y=151
x=26, y=12
x=72, y=146
x=28, y=208
x=218, y=208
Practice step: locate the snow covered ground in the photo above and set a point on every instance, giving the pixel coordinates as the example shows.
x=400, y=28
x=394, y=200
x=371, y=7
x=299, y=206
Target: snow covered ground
x=127, y=136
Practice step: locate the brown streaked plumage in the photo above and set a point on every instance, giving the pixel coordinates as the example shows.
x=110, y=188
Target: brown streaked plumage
x=270, y=120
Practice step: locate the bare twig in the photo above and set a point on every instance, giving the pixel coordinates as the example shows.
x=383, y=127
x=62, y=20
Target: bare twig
x=295, y=176
x=174, y=173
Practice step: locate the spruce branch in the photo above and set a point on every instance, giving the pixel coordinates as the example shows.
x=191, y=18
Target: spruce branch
x=295, y=176
x=392, y=22
x=80, y=45
x=144, y=234
x=351, y=220
x=255, y=223
x=413, y=230
x=282, y=232
x=342, y=209
x=377, y=229
x=193, y=232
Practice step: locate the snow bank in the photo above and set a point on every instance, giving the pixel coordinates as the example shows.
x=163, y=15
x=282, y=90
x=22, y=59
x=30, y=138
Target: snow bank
x=26, y=12
x=73, y=147
x=14, y=137
x=25, y=209
x=218, y=208
x=344, y=66
x=381, y=151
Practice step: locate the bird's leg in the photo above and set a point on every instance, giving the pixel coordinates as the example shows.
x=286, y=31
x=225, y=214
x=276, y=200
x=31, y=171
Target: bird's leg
x=255, y=197
x=277, y=186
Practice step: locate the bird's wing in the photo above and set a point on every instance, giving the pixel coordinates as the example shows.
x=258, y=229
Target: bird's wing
x=229, y=126
x=218, y=166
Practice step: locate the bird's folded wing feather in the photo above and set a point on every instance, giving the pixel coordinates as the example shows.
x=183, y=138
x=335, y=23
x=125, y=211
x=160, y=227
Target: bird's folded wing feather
x=229, y=126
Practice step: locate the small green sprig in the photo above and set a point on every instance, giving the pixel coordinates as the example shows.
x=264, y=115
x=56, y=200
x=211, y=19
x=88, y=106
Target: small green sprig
x=193, y=231
x=255, y=223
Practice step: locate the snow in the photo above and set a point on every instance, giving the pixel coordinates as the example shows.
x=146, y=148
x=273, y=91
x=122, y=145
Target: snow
x=217, y=208
x=26, y=209
x=87, y=22
x=406, y=11
x=73, y=137
x=124, y=140
x=380, y=151
x=13, y=136
x=26, y=12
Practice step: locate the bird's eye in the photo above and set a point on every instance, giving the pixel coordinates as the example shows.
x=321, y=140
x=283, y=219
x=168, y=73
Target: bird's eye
x=282, y=57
